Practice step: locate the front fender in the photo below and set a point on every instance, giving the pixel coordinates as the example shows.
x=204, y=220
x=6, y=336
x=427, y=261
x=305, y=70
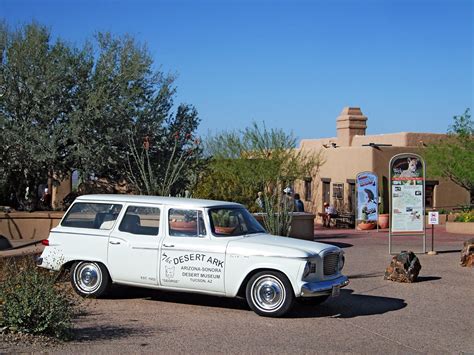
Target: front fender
x=239, y=268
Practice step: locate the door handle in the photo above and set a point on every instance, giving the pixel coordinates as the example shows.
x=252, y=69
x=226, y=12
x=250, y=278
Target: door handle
x=114, y=243
x=168, y=245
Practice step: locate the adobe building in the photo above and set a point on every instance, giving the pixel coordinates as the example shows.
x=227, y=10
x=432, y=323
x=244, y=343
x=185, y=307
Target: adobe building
x=352, y=152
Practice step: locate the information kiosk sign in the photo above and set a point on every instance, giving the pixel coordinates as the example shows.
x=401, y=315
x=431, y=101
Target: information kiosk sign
x=407, y=196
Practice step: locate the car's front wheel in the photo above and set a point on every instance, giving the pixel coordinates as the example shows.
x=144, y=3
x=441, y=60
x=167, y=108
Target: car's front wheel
x=270, y=294
x=90, y=279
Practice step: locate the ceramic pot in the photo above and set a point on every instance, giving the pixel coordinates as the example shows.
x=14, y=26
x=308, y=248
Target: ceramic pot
x=383, y=220
x=183, y=226
x=366, y=226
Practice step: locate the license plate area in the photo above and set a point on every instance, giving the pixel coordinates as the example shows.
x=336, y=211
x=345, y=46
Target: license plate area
x=336, y=291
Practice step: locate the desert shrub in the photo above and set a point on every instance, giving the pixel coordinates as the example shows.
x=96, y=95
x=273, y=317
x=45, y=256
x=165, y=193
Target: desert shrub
x=31, y=302
x=467, y=216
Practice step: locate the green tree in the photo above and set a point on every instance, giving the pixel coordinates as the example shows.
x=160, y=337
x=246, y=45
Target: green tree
x=256, y=159
x=64, y=109
x=125, y=103
x=39, y=86
x=453, y=157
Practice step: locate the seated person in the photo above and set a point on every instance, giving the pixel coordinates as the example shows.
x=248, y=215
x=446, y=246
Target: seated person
x=329, y=212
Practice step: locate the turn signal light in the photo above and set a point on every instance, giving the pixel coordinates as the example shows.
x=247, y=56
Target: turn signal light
x=45, y=242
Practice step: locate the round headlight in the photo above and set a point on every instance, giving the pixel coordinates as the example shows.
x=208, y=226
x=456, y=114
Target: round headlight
x=307, y=269
x=342, y=260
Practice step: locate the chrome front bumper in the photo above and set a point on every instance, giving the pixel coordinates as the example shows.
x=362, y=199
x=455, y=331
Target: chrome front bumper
x=321, y=288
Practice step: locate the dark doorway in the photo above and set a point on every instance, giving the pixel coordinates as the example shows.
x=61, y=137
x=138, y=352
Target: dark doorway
x=326, y=190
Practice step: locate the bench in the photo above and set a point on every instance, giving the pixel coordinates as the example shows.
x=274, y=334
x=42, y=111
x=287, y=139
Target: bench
x=344, y=220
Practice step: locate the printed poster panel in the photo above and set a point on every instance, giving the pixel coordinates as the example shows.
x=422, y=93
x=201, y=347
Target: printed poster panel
x=367, y=196
x=407, y=188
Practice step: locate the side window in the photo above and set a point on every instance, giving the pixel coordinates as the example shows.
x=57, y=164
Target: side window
x=141, y=220
x=186, y=223
x=92, y=215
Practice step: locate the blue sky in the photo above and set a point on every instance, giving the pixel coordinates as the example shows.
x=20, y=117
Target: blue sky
x=293, y=64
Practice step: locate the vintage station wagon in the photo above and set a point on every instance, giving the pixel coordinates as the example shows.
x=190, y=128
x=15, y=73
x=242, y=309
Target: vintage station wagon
x=190, y=245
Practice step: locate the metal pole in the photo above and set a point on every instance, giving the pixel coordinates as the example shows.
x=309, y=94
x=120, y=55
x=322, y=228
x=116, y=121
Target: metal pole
x=432, y=252
x=432, y=237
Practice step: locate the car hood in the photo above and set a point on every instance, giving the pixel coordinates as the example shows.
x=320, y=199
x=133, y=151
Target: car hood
x=271, y=245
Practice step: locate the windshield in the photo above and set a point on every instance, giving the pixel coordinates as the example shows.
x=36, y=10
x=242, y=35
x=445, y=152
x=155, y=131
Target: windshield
x=233, y=222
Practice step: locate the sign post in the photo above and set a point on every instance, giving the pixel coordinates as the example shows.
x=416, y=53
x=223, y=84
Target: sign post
x=407, y=197
x=433, y=218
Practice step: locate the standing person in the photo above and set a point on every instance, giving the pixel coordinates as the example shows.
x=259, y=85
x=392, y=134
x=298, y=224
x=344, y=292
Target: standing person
x=46, y=199
x=260, y=201
x=299, y=205
x=287, y=200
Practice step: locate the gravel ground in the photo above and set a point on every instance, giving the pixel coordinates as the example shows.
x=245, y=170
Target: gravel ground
x=372, y=315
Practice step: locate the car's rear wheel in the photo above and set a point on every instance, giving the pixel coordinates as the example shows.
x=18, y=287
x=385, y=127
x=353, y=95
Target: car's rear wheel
x=270, y=294
x=89, y=278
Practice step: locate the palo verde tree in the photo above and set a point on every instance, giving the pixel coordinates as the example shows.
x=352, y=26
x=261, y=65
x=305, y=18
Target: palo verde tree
x=256, y=159
x=40, y=82
x=127, y=103
x=453, y=157
x=64, y=109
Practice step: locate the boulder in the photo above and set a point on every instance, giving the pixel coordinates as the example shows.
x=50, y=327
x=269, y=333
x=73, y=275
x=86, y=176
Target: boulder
x=4, y=243
x=404, y=267
x=467, y=253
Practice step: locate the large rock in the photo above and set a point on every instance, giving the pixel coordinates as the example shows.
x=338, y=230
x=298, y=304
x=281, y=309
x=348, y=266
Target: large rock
x=404, y=267
x=4, y=243
x=467, y=253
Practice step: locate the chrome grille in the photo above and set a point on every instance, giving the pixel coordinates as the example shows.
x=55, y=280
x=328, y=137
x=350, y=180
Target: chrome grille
x=330, y=263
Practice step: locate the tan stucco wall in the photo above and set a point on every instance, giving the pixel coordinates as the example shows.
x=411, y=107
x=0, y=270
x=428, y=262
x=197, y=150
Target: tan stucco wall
x=28, y=226
x=343, y=163
x=449, y=195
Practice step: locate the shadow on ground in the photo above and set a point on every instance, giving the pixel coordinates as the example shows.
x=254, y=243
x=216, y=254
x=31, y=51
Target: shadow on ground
x=124, y=292
x=366, y=276
x=108, y=332
x=349, y=305
x=449, y=251
x=339, y=244
x=330, y=236
x=427, y=278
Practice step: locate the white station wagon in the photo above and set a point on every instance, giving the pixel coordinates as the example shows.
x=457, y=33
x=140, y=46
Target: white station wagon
x=190, y=245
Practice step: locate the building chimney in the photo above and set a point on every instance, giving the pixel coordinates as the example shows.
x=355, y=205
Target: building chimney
x=351, y=122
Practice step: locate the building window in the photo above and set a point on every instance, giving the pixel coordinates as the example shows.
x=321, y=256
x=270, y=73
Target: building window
x=338, y=191
x=308, y=193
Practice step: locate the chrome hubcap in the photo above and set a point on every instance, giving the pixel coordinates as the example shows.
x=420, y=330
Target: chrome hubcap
x=268, y=293
x=88, y=277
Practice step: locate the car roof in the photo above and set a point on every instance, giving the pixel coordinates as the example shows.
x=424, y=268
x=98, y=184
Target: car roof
x=181, y=201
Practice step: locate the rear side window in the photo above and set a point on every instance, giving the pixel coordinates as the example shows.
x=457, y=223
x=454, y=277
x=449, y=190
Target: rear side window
x=141, y=220
x=92, y=215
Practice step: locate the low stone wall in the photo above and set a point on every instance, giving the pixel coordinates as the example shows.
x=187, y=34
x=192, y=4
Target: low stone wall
x=28, y=225
x=302, y=225
x=460, y=227
x=36, y=225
